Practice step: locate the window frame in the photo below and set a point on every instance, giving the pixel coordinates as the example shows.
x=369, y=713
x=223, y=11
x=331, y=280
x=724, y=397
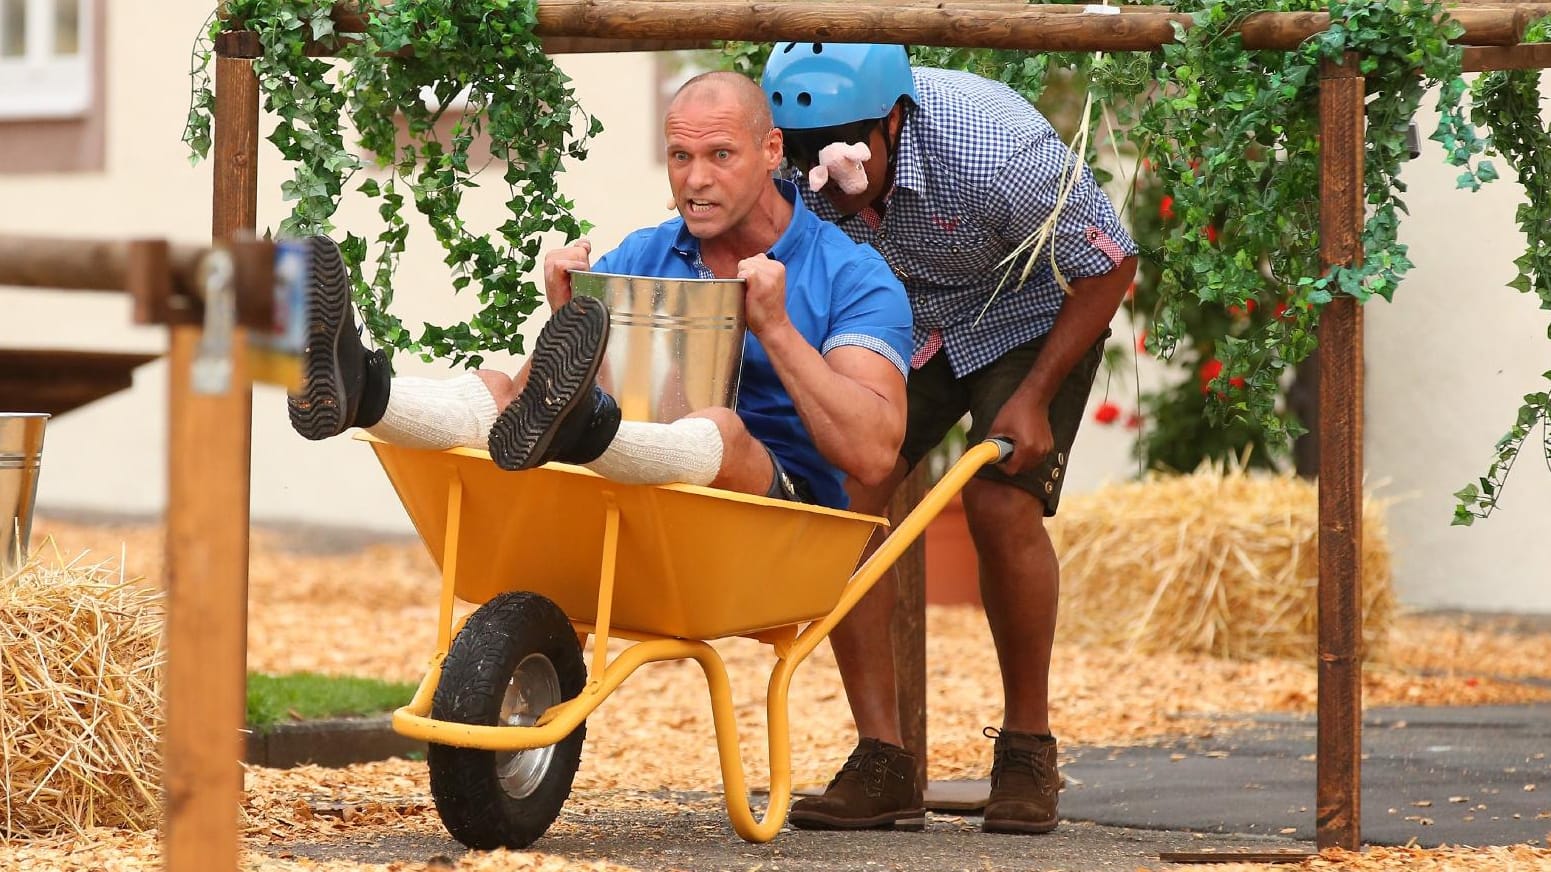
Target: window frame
x=41, y=84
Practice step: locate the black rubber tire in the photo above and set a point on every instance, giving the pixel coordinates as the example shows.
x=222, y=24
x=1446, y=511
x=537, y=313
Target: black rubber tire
x=465, y=782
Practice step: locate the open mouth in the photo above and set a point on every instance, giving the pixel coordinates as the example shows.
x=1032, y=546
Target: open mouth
x=700, y=207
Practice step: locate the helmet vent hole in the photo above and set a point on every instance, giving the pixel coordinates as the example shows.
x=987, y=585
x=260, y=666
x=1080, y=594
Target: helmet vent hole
x=818, y=48
x=775, y=97
x=788, y=48
x=804, y=99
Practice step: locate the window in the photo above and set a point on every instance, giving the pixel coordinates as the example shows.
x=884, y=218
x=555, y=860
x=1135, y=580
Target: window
x=45, y=58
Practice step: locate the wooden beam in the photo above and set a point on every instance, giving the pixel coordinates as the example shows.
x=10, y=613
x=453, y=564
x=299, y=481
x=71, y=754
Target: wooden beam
x=245, y=43
x=207, y=537
x=1286, y=30
x=1534, y=56
x=55, y=381
x=1339, y=746
x=1235, y=856
x=982, y=24
x=86, y=264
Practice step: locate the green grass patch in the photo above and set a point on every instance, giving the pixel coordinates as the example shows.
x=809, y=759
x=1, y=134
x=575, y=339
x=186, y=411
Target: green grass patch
x=274, y=699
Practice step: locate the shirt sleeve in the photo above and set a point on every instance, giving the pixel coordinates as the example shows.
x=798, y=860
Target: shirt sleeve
x=1087, y=235
x=871, y=311
x=612, y=262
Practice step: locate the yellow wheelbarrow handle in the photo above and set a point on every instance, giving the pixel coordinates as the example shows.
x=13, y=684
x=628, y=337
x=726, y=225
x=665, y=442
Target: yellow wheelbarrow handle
x=994, y=450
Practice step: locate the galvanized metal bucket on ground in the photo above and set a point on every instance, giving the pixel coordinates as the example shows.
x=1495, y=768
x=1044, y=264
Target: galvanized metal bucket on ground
x=21, y=458
x=675, y=345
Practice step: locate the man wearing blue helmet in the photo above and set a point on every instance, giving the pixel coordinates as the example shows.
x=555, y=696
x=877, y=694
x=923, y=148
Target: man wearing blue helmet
x=959, y=173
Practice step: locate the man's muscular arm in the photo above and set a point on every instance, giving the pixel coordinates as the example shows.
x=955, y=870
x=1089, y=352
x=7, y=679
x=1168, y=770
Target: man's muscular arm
x=852, y=400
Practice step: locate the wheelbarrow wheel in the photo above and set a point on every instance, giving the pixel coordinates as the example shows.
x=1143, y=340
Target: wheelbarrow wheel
x=516, y=656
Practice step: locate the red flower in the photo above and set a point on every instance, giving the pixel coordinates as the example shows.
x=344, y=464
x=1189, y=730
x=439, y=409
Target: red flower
x=1242, y=311
x=1131, y=291
x=1106, y=413
x=1209, y=370
x=1235, y=382
x=1211, y=234
x=1166, y=208
x=1134, y=421
x=1141, y=341
x=1279, y=311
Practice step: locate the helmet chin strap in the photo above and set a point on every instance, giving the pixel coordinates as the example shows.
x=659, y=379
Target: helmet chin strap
x=891, y=152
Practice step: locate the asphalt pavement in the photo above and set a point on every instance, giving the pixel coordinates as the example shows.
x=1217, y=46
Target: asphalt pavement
x=1460, y=776
x=1430, y=776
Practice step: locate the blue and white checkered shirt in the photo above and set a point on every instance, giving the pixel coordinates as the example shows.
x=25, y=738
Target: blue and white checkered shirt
x=978, y=170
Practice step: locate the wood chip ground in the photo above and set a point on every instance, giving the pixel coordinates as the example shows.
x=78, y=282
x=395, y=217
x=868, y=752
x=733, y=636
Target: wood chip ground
x=371, y=611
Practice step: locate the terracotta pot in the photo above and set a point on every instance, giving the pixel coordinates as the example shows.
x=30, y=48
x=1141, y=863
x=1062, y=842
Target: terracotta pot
x=952, y=569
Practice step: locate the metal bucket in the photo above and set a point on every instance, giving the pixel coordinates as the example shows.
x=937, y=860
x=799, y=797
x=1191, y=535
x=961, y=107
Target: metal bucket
x=21, y=457
x=675, y=345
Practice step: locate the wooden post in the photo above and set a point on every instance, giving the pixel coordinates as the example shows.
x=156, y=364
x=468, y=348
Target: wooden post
x=1338, y=819
x=910, y=625
x=207, y=537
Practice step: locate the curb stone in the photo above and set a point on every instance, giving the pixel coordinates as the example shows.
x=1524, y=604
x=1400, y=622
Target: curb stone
x=332, y=742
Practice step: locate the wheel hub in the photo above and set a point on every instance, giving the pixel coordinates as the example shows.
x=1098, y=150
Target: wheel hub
x=533, y=689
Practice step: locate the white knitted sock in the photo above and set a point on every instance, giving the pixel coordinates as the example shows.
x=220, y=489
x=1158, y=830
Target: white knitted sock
x=688, y=450
x=437, y=413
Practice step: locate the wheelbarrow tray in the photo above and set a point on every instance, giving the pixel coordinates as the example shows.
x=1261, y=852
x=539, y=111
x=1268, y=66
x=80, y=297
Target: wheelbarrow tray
x=692, y=562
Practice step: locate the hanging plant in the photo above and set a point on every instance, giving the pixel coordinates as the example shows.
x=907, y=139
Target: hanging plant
x=417, y=66
x=1231, y=136
x=1234, y=136
x=1508, y=102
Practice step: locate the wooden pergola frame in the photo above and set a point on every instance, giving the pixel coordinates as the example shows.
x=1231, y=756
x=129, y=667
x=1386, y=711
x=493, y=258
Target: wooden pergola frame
x=207, y=543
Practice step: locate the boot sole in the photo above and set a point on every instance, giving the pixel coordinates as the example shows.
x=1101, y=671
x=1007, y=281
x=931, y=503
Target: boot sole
x=912, y=820
x=319, y=411
x=566, y=359
x=1019, y=827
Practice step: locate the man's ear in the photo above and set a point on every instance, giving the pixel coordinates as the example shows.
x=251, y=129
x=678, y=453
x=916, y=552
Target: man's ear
x=775, y=147
x=893, y=122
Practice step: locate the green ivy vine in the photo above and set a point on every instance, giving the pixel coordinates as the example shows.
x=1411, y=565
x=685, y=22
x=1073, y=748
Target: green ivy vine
x=1508, y=102
x=418, y=87
x=1230, y=135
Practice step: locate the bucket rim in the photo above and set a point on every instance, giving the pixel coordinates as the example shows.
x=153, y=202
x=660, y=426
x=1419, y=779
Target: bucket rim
x=674, y=279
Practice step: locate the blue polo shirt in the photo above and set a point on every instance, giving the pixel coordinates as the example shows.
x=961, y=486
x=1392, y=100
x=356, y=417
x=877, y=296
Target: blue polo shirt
x=837, y=293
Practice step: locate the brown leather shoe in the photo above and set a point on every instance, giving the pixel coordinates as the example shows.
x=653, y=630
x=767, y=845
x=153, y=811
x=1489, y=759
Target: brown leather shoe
x=875, y=789
x=1024, y=783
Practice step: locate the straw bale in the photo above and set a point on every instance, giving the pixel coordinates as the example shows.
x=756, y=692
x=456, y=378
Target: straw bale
x=80, y=690
x=1220, y=562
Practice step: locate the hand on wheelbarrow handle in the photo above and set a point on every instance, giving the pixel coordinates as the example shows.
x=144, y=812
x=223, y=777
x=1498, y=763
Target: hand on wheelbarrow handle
x=1004, y=447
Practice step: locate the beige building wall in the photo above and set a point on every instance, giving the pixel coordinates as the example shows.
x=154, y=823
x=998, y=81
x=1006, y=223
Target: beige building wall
x=1446, y=363
x=110, y=456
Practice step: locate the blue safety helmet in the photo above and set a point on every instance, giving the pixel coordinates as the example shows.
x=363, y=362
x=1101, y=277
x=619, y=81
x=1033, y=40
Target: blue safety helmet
x=824, y=84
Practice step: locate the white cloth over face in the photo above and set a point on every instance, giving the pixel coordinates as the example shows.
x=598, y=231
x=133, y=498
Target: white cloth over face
x=841, y=161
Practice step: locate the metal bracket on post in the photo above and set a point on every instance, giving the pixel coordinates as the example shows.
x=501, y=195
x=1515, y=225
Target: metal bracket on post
x=212, y=371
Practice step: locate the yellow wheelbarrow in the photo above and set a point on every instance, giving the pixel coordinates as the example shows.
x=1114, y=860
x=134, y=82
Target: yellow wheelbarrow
x=557, y=553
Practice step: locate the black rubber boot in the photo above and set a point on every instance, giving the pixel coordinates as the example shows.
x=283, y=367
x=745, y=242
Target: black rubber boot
x=561, y=414
x=344, y=384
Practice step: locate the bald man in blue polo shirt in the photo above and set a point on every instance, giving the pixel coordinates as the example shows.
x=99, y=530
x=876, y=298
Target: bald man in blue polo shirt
x=822, y=391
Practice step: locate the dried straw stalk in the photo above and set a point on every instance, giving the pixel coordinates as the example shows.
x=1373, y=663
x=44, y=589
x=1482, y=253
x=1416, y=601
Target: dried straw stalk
x=1216, y=562
x=80, y=699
